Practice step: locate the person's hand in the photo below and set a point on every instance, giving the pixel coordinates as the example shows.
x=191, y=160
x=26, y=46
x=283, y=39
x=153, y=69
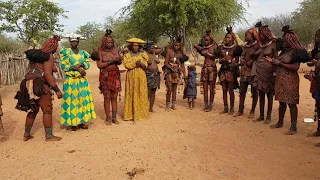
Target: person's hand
x=138, y=63
x=77, y=66
x=276, y=62
x=59, y=94
x=267, y=58
x=82, y=72
x=242, y=61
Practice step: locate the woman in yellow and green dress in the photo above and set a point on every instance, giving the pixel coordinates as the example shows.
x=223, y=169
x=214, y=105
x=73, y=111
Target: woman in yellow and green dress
x=77, y=107
x=136, y=105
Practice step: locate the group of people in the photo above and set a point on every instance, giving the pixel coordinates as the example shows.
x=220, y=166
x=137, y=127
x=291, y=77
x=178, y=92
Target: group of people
x=266, y=63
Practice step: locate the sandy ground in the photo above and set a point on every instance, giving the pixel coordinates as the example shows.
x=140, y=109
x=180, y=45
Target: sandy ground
x=178, y=145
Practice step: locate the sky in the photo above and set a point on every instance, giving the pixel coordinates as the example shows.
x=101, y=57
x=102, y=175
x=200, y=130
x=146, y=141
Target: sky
x=82, y=11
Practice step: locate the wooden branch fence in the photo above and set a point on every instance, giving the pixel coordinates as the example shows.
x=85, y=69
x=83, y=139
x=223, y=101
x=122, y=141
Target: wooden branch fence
x=13, y=69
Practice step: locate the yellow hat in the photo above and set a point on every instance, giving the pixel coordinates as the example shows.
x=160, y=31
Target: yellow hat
x=136, y=40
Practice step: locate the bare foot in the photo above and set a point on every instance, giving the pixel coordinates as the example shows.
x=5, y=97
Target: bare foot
x=83, y=126
x=251, y=116
x=316, y=134
x=151, y=110
x=238, y=114
x=26, y=138
x=108, y=122
x=259, y=119
x=275, y=126
x=115, y=121
x=223, y=112
x=74, y=128
x=267, y=121
x=53, y=138
x=291, y=132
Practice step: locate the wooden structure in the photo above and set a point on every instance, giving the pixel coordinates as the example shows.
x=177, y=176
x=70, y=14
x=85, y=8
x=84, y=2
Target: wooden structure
x=13, y=68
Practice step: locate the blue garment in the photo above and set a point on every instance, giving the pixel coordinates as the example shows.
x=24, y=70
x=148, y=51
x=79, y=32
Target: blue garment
x=192, y=85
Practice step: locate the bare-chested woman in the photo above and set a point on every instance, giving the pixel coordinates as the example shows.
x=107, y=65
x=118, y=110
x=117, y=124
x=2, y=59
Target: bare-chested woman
x=246, y=62
x=228, y=53
x=35, y=89
x=153, y=73
x=1, y=112
x=264, y=71
x=110, y=84
x=173, y=68
x=287, y=79
x=209, y=69
x=315, y=87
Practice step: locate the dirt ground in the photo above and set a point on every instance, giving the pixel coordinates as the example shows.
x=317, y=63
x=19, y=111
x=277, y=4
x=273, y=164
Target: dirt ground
x=178, y=145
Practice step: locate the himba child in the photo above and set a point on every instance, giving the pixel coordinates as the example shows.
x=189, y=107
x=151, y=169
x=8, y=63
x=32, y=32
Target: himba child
x=190, y=91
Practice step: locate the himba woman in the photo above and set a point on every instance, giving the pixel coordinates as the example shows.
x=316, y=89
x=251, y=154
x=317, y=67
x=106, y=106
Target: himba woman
x=153, y=73
x=173, y=70
x=228, y=53
x=209, y=69
x=35, y=89
x=264, y=71
x=108, y=61
x=287, y=79
x=136, y=105
x=315, y=87
x=248, y=58
x=77, y=107
x=1, y=112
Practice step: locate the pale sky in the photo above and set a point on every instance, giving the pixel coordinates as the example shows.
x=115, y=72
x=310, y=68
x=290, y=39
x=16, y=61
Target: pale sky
x=82, y=11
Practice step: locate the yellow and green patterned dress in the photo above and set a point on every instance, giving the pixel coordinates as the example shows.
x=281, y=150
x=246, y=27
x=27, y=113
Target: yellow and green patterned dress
x=77, y=105
x=136, y=106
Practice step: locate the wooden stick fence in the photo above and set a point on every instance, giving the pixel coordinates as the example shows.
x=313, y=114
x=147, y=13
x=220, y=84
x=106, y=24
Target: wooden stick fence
x=13, y=69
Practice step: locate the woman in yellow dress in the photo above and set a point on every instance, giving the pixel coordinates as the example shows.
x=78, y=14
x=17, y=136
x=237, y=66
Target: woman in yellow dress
x=77, y=106
x=136, y=91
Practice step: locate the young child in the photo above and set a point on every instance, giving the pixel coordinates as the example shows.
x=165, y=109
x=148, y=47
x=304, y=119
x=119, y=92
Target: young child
x=191, y=86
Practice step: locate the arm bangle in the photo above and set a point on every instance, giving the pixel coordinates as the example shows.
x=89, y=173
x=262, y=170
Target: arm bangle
x=55, y=89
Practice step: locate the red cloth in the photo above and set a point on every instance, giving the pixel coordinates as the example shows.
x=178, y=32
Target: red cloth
x=110, y=79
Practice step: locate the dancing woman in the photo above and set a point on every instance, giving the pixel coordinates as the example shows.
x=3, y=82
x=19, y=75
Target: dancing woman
x=152, y=72
x=173, y=69
x=246, y=62
x=315, y=80
x=209, y=69
x=287, y=79
x=228, y=53
x=35, y=89
x=264, y=71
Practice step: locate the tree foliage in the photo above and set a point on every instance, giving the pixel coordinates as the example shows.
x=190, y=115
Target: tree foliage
x=10, y=45
x=155, y=18
x=306, y=20
x=277, y=22
x=31, y=19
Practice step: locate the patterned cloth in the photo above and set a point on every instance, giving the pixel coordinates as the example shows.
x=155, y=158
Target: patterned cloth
x=77, y=105
x=110, y=79
x=287, y=86
x=136, y=105
x=153, y=79
x=209, y=73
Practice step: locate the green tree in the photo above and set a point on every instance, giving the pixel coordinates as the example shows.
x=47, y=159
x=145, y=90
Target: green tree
x=31, y=19
x=154, y=18
x=306, y=20
x=88, y=30
x=9, y=45
x=277, y=22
